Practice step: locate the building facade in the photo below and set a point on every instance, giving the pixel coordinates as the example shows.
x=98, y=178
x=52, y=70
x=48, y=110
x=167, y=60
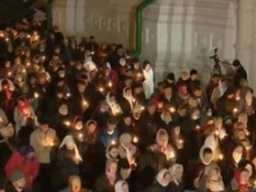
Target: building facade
x=177, y=34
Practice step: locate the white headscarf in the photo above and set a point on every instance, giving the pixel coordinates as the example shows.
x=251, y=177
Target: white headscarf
x=118, y=185
x=173, y=170
x=160, y=176
x=11, y=85
x=69, y=141
x=128, y=98
x=114, y=106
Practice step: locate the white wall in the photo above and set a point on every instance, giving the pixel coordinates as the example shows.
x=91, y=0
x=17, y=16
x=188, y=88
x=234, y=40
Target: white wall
x=176, y=34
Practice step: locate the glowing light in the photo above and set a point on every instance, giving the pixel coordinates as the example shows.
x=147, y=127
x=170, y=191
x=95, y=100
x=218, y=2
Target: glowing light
x=110, y=84
x=67, y=123
x=135, y=139
x=197, y=127
x=172, y=109
x=36, y=95
x=113, y=142
x=235, y=110
x=221, y=157
x=101, y=89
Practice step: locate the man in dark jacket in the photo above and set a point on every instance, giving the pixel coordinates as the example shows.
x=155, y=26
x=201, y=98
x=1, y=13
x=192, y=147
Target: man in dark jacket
x=240, y=73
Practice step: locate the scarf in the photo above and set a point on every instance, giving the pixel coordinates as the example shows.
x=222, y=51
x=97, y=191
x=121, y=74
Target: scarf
x=130, y=99
x=242, y=186
x=115, y=108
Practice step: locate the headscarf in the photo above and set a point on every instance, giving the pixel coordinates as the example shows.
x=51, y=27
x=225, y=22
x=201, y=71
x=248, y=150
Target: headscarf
x=69, y=141
x=74, y=122
x=160, y=175
x=118, y=185
x=128, y=98
x=173, y=170
x=24, y=151
x=114, y=106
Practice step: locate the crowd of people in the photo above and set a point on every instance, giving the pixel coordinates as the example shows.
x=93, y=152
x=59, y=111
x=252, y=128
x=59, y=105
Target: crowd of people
x=79, y=117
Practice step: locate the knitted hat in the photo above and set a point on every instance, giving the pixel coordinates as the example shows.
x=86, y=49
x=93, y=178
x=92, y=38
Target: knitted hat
x=16, y=175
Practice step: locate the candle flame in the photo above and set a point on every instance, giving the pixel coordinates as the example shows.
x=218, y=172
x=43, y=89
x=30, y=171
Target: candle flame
x=113, y=142
x=221, y=157
x=36, y=95
x=110, y=84
x=67, y=123
x=135, y=139
x=235, y=110
x=181, y=141
x=101, y=89
x=80, y=135
x=197, y=127
x=172, y=109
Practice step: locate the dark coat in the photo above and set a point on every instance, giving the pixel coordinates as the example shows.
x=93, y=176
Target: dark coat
x=66, y=165
x=102, y=184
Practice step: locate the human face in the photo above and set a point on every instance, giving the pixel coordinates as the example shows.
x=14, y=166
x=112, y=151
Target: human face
x=20, y=184
x=128, y=93
x=237, y=154
x=79, y=125
x=177, y=130
x=113, y=152
x=128, y=121
x=179, y=173
x=214, y=176
x=76, y=185
x=244, y=177
x=112, y=168
x=111, y=127
x=152, y=109
x=163, y=140
x=91, y=128
x=207, y=157
x=81, y=88
x=147, y=67
x=44, y=128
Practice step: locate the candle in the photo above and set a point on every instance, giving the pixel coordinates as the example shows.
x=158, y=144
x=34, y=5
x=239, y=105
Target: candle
x=135, y=139
x=142, y=108
x=68, y=94
x=52, y=144
x=67, y=123
x=221, y=157
x=172, y=154
x=28, y=64
x=235, y=110
x=181, y=141
x=197, y=127
x=23, y=70
x=238, y=98
x=28, y=36
x=113, y=142
x=172, y=109
x=36, y=95
x=110, y=84
x=247, y=133
x=216, y=132
x=101, y=89
x=7, y=39
x=80, y=135
x=85, y=103
x=92, y=52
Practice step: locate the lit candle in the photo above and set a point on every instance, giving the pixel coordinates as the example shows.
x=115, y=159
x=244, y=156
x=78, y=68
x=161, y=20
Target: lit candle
x=101, y=89
x=68, y=94
x=135, y=139
x=110, y=84
x=221, y=157
x=172, y=154
x=216, y=132
x=52, y=144
x=67, y=123
x=28, y=64
x=7, y=39
x=113, y=142
x=247, y=133
x=197, y=127
x=80, y=135
x=92, y=52
x=172, y=109
x=235, y=110
x=36, y=95
x=181, y=141
x=9, y=74
x=28, y=36
x=238, y=98
x=43, y=57
x=142, y=108
x=23, y=70
x=85, y=103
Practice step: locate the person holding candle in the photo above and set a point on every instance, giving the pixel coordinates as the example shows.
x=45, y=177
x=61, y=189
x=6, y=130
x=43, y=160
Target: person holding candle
x=163, y=151
x=177, y=183
x=106, y=181
x=115, y=108
x=74, y=185
x=23, y=112
x=44, y=140
x=162, y=181
x=127, y=101
x=25, y=160
x=68, y=159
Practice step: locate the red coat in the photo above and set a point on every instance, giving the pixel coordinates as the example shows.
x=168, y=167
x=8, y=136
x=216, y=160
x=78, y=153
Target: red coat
x=114, y=77
x=29, y=168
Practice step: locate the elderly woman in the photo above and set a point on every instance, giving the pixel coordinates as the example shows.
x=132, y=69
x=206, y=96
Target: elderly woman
x=176, y=171
x=74, y=185
x=68, y=158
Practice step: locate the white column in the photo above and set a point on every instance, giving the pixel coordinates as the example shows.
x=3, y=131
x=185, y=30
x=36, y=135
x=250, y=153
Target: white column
x=245, y=35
